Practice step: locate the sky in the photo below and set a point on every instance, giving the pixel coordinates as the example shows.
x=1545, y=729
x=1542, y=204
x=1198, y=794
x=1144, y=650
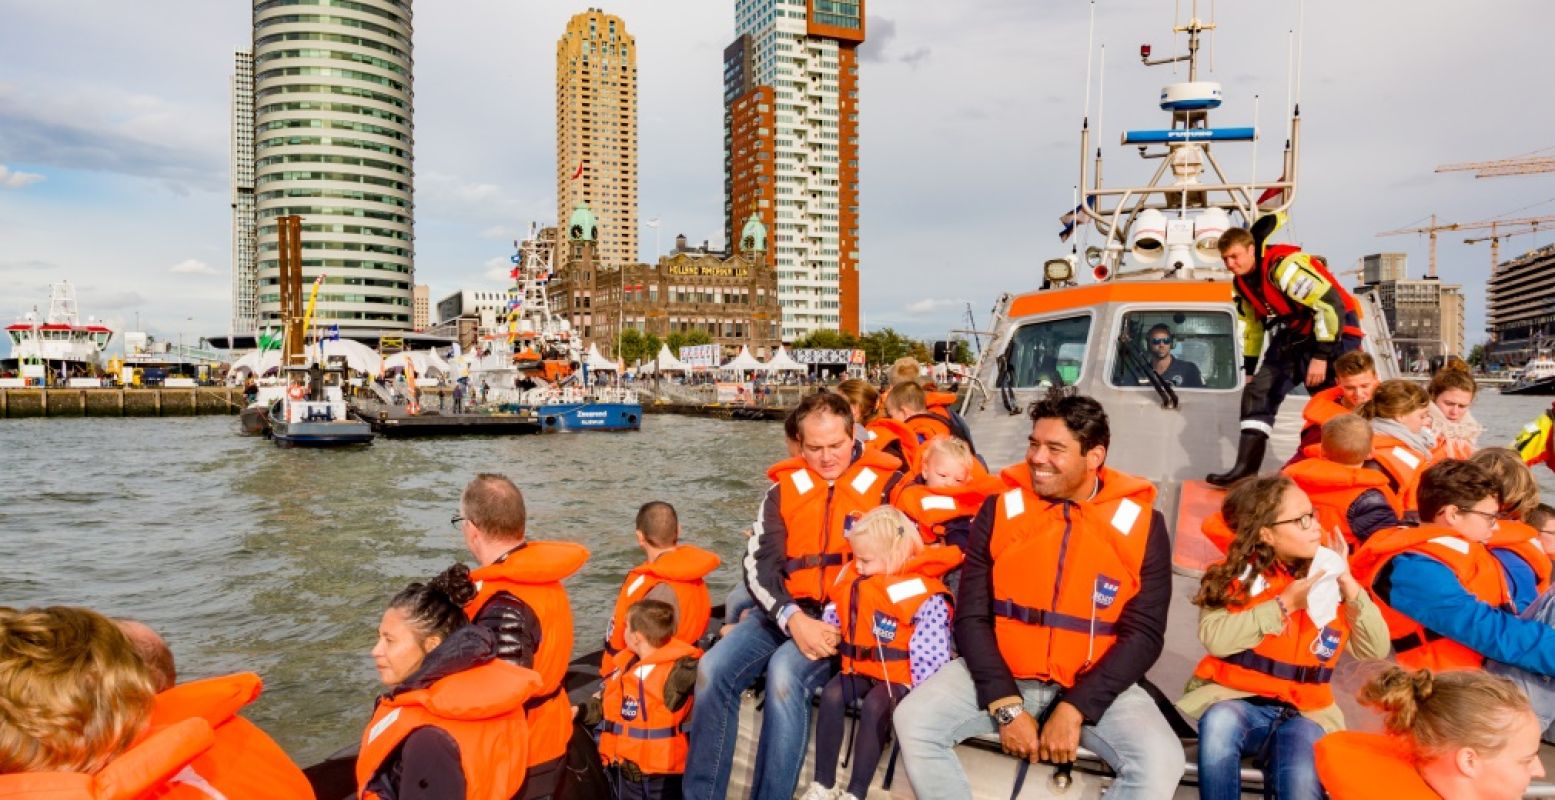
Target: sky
x=114, y=135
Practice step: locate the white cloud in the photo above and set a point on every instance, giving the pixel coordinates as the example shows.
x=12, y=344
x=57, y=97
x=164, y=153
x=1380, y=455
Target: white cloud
x=192, y=266
x=16, y=179
x=929, y=305
x=498, y=268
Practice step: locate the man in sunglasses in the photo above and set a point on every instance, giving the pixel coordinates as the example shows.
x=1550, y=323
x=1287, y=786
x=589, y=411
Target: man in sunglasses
x=1178, y=372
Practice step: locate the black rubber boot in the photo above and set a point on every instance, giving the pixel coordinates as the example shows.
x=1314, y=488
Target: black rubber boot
x=1249, y=458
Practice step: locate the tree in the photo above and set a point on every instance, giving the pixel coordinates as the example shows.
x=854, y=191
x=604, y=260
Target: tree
x=885, y=346
x=679, y=339
x=651, y=346
x=1476, y=357
x=963, y=353
x=629, y=346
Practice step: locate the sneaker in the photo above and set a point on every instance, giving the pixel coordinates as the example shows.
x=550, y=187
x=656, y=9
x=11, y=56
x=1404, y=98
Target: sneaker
x=817, y=792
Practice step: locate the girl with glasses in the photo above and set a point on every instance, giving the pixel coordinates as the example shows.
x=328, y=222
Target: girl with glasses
x=1273, y=640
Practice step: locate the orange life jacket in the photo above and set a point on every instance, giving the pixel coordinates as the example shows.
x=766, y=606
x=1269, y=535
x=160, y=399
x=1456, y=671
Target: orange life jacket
x=244, y=763
x=875, y=613
x=683, y=569
x=1402, y=465
x=1519, y=537
x=534, y=574
x=939, y=403
x=816, y=515
x=1365, y=766
x=1322, y=407
x=1218, y=532
x=932, y=509
x=143, y=771
x=481, y=709
x=1268, y=300
x=1448, y=448
x=928, y=426
x=1478, y=571
x=1333, y=488
x=638, y=726
x=894, y=439
x=1063, y=572
x=1294, y=665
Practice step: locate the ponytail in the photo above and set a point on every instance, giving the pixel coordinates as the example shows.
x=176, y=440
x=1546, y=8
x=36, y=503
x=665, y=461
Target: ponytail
x=1442, y=712
x=436, y=608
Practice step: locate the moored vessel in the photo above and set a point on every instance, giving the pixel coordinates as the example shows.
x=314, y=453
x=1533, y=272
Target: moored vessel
x=1537, y=376
x=55, y=349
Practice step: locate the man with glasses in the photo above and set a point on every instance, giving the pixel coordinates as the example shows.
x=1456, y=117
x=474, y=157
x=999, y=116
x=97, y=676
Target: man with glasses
x=1178, y=372
x=1444, y=595
x=519, y=597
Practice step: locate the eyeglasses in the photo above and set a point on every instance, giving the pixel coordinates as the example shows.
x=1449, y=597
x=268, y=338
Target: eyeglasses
x=1155, y=340
x=1303, y=522
x=457, y=521
x=1489, y=517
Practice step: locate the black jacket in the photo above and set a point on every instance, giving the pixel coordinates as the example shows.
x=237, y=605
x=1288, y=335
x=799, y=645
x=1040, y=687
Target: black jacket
x=1141, y=626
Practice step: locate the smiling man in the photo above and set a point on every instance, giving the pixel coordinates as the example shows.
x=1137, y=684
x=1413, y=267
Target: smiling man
x=1061, y=611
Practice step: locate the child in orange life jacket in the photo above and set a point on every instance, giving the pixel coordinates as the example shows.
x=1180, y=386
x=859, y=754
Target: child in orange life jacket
x=1355, y=378
x=644, y=706
x=1347, y=496
x=1401, y=443
x=1274, y=616
x=1514, y=542
x=894, y=614
x=1542, y=519
x=906, y=403
x=673, y=572
x=947, y=493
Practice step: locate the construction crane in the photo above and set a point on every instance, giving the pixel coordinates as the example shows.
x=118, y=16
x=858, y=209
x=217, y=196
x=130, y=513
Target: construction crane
x=1492, y=225
x=1498, y=233
x=1529, y=164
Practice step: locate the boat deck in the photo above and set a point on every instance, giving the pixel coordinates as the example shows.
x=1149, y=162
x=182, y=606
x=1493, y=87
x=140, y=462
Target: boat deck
x=395, y=422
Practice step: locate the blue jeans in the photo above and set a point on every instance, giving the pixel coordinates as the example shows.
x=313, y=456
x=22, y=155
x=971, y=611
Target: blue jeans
x=755, y=646
x=1539, y=688
x=1132, y=737
x=1278, y=739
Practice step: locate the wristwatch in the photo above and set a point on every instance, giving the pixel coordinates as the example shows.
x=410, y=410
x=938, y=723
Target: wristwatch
x=1006, y=714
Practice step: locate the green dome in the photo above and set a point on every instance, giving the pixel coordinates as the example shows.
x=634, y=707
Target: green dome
x=582, y=227
x=753, y=237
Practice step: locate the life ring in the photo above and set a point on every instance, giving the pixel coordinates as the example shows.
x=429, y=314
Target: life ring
x=296, y=391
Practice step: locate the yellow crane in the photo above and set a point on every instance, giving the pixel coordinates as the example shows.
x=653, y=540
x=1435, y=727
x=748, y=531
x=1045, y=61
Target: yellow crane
x=1499, y=233
x=1492, y=225
x=1529, y=164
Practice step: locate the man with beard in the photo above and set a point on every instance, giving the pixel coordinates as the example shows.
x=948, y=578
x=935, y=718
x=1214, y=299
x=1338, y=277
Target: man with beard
x=1061, y=611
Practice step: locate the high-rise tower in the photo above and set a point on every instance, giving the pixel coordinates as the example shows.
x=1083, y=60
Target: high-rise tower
x=791, y=150
x=332, y=143
x=596, y=130
x=245, y=275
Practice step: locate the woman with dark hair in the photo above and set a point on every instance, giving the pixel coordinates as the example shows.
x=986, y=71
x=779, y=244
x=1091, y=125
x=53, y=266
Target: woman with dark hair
x=452, y=723
x=1274, y=630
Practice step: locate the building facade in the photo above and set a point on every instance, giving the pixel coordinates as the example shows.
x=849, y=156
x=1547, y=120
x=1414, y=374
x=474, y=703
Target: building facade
x=482, y=305
x=333, y=140
x=733, y=296
x=791, y=150
x=596, y=129
x=420, y=307
x=1425, y=316
x=245, y=274
x=1522, y=307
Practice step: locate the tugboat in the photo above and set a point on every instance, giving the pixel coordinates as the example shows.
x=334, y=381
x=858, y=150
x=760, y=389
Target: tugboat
x=1537, y=376
x=313, y=412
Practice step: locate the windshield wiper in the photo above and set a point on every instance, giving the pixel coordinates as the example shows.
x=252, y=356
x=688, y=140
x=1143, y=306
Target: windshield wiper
x=1136, y=362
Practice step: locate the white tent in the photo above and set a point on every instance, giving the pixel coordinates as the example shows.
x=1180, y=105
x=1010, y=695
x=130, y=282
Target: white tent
x=597, y=362
x=744, y=361
x=254, y=364
x=425, y=362
x=665, y=362
x=781, y=361
x=358, y=356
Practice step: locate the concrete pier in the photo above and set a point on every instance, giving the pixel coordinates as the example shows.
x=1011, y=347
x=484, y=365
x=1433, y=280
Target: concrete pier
x=22, y=403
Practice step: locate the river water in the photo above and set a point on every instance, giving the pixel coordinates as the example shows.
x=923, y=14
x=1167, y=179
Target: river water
x=250, y=557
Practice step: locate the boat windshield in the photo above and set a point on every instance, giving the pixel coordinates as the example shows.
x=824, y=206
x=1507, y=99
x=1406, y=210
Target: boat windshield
x=1050, y=352
x=1201, y=345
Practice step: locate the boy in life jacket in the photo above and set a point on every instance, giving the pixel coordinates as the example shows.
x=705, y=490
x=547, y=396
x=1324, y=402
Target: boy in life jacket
x=673, y=573
x=1459, y=734
x=644, y=705
x=1347, y=496
x=1542, y=519
x=941, y=404
x=1442, y=592
x=1274, y=617
x=947, y=492
x=895, y=617
x=1515, y=543
x=1311, y=320
x=244, y=763
x=906, y=404
x=1355, y=379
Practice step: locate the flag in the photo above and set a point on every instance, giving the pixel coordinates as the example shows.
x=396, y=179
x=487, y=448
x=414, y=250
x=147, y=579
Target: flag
x=268, y=340
x=334, y=332
x=1271, y=193
x=579, y=173
x=1533, y=441
x=1072, y=219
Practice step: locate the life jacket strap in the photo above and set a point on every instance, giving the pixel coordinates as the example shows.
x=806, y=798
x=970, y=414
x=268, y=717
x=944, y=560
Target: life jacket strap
x=630, y=732
x=1051, y=619
x=812, y=561
x=537, y=701
x=1414, y=640
x=1248, y=659
x=857, y=653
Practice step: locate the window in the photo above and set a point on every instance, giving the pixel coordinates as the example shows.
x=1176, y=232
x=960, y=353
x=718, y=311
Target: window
x=1200, y=345
x=1049, y=353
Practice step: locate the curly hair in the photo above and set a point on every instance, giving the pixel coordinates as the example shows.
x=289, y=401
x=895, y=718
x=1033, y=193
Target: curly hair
x=1442, y=712
x=1252, y=505
x=436, y=608
x=74, y=693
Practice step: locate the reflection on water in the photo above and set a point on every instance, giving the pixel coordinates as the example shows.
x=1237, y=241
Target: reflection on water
x=250, y=557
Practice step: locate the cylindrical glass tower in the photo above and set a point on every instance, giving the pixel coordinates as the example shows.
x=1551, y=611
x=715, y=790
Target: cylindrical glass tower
x=332, y=143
